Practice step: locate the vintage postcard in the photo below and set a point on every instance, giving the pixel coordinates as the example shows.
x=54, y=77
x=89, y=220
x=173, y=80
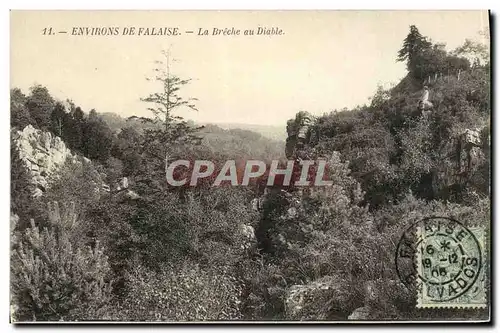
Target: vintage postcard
x=250, y=166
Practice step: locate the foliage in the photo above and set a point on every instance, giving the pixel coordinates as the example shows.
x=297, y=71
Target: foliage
x=20, y=187
x=240, y=144
x=52, y=279
x=97, y=138
x=20, y=116
x=324, y=233
x=424, y=59
x=77, y=181
x=415, y=46
x=391, y=147
x=90, y=136
x=188, y=293
x=368, y=146
x=40, y=104
x=189, y=253
x=205, y=227
x=327, y=240
x=264, y=290
x=169, y=133
x=477, y=53
x=167, y=102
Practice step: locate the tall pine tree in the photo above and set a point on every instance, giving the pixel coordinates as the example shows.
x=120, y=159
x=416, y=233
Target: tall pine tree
x=170, y=134
x=415, y=47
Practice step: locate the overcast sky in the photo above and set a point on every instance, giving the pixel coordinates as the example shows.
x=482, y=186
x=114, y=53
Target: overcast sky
x=324, y=61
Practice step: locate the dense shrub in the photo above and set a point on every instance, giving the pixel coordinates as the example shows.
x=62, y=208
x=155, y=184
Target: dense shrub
x=186, y=293
x=52, y=278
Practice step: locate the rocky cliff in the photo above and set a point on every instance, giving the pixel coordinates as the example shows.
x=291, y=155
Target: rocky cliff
x=43, y=155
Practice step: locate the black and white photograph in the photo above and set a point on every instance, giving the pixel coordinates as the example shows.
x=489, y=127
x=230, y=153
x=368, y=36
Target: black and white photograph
x=250, y=166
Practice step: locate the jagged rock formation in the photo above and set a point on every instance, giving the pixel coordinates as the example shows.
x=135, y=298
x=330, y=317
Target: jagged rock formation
x=299, y=132
x=42, y=154
x=469, y=145
x=462, y=163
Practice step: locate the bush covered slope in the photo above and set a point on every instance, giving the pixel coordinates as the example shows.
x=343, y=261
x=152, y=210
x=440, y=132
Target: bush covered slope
x=205, y=253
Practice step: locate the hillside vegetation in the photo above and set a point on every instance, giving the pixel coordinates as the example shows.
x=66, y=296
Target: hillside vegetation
x=206, y=253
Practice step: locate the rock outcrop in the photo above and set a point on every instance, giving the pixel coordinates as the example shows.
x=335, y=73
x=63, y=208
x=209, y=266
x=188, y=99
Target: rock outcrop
x=466, y=155
x=42, y=154
x=121, y=191
x=299, y=132
x=248, y=233
x=317, y=300
x=362, y=313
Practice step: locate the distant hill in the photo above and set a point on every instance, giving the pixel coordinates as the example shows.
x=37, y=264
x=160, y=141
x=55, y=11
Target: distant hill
x=269, y=131
x=230, y=139
x=241, y=143
x=274, y=132
x=117, y=122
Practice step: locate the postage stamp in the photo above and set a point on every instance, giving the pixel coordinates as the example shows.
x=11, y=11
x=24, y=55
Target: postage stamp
x=445, y=261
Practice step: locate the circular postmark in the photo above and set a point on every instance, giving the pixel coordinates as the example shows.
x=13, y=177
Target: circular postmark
x=439, y=255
